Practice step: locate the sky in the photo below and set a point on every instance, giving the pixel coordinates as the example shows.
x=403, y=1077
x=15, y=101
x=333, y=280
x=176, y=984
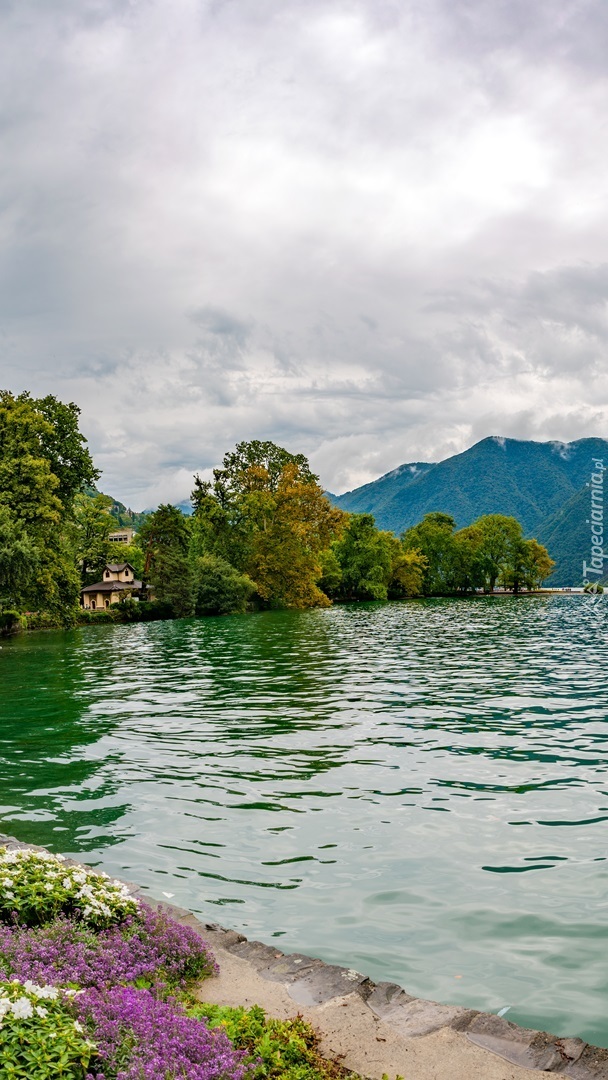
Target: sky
x=373, y=231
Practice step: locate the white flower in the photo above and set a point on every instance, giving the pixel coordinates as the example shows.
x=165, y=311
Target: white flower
x=22, y=1008
x=41, y=1011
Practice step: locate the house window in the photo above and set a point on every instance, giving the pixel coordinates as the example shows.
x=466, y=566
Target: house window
x=107, y=573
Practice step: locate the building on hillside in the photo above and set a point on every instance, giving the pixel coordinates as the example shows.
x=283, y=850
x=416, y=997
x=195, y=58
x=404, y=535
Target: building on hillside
x=118, y=581
x=122, y=536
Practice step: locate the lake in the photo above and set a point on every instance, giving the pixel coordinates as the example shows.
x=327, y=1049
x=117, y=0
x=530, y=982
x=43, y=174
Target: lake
x=418, y=790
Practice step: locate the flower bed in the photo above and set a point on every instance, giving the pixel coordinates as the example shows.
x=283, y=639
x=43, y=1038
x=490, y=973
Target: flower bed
x=94, y=985
x=88, y=978
x=35, y=886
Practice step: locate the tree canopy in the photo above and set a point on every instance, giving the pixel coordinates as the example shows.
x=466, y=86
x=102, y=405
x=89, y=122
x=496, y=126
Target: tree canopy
x=262, y=533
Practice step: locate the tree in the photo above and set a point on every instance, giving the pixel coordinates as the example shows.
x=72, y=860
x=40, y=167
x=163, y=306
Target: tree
x=539, y=564
x=18, y=559
x=219, y=588
x=501, y=548
x=256, y=464
x=27, y=482
x=64, y=447
x=529, y=564
x=289, y=528
x=365, y=556
x=164, y=538
x=331, y=573
x=267, y=516
x=30, y=489
x=433, y=538
x=407, y=574
x=468, y=570
x=92, y=524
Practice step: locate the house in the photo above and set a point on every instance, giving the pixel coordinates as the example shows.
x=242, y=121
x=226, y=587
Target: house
x=122, y=536
x=118, y=581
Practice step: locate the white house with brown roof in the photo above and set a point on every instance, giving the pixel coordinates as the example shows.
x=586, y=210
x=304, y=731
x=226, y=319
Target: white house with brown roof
x=118, y=581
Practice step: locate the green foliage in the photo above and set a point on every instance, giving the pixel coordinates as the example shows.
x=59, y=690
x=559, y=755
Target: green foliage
x=11, y=621
x=433, y=538
x=542, y=485
x=87, y=617
x=407, y=574
x=490, y=550
x=266, y=515
x=279, y=1049
x=92, y=526
x=19, y=558
x=220, y=589
x=331, y=573
x=257, y=465
x=165, y=541
x=365, y=557
x=39, y=1037
x=64, y=447
x=43, y=462
x=37, y=887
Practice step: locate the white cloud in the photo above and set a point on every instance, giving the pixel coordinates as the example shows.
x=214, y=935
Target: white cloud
x=371, y=232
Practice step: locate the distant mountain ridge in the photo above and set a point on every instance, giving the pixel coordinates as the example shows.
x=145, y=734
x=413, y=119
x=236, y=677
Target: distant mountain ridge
x=542, y=484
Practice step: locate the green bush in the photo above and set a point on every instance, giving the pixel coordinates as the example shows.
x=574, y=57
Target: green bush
x=39, y=1037
x=38, y=886
x=86, y=617
x=279, y=1049
x=220, y=589
x=11, y=622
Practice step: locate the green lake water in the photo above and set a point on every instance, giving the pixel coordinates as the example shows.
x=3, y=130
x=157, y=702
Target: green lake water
x=417, y=790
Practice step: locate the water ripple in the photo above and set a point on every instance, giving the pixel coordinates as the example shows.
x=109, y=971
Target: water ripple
x=417, y=789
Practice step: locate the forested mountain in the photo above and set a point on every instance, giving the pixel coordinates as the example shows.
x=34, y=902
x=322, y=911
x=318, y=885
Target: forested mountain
x=541, y=484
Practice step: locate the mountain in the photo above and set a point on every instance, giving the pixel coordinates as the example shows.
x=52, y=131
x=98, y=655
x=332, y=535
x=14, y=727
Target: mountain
x=541, y=484
x=566, y=535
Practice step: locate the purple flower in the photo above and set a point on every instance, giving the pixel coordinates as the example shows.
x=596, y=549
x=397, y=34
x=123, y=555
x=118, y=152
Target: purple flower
x=150, y=949
x=141, y=1038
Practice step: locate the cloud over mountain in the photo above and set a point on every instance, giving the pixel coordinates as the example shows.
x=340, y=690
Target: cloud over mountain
x=374, y=232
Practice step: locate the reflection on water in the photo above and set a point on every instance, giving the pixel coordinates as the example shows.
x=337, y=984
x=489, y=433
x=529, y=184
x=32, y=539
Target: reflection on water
x=418, y=789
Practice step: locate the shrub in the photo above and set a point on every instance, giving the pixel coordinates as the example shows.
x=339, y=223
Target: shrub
x=220, y=589
x=11, y=622
x=277, y=1049
x=141, y=1038
x=87, y=617
x=40, y=1039
x=150, y=950
x=36, y=886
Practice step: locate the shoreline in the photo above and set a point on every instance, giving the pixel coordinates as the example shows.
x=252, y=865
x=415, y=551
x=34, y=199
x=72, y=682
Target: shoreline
x=101, y=618
x=376, y=1028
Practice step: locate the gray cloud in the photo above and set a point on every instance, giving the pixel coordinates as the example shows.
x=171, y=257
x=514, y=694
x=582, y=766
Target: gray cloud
x=374, y=232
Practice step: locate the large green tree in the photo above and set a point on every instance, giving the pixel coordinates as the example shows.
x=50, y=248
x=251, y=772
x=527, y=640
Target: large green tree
x=433, y=537
x=40, y=498
x=266, y=515
x=165, y=541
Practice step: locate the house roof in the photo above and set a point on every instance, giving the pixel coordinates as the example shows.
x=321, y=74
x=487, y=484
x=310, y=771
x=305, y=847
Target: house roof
x=118, y=567
x=111, y=586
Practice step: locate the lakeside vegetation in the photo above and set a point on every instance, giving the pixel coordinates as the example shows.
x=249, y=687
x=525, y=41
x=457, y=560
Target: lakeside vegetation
x=262, y=534
x=97, y=985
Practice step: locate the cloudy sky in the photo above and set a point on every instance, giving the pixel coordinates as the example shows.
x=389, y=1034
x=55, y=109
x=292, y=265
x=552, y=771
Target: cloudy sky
x=373, y=231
